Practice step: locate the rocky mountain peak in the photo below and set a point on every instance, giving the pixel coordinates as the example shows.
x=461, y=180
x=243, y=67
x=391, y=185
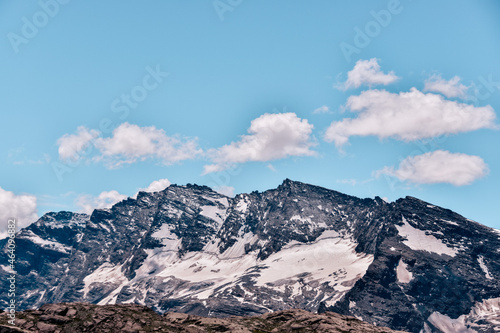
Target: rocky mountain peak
x=408, y=265
x=62, y=219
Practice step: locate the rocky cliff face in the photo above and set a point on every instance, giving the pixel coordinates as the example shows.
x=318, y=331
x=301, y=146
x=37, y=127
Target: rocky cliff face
x=407, y=265
x=82, y=317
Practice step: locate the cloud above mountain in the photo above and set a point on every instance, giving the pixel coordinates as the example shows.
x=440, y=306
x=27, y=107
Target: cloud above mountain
x=128, y=144
x=439, y=166
x=71, y=146
x=87, y=203
x=271, y=137
x=157, y=185
x=450, y=88
x=106, y=199
x=407, y=116
x=367, y=73
x=20, y=207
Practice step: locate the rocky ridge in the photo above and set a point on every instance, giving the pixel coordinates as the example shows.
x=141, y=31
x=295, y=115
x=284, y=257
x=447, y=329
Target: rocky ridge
x=84, y=317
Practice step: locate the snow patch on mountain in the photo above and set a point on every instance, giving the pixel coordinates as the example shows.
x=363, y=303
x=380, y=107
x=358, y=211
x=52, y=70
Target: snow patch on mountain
x=169, y=240
x=447, y=325
x=403, y=275
x=450, y=222
x=317, y=262
x=106, y=273
x=486, y=311
x=331, y=259
x=242, y=205
x=44, y=243
x=417, y=239
x=215, y=213
x=482, y=313
x=483, y=266
x=238, y=248
x=308, y=221
x=7, y=269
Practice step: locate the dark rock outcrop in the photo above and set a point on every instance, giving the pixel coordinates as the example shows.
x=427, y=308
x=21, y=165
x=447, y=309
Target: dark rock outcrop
x=81, y=317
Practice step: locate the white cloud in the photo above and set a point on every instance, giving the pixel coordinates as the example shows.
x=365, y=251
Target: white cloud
x=407, y=116
x=22, y=208
x=322, y=109
x=157, y=185
x=439, y=166
x=106, y=199
x=272, y=136
x=131, y=143
x=225, y=190
x=128, y=144
x=367, y=72
x=451, y=88
x=271, y=167
x=70, y=145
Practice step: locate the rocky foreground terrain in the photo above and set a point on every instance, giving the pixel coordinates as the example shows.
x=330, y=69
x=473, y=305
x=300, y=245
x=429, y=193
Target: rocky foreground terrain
x=408, y=264
x=84, y=317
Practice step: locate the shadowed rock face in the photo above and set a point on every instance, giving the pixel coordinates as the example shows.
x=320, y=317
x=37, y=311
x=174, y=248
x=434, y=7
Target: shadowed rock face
x=84, y=317
x=408, y=265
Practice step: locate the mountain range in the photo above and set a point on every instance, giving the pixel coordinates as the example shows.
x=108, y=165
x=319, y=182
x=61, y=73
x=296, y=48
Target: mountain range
x=407, y=265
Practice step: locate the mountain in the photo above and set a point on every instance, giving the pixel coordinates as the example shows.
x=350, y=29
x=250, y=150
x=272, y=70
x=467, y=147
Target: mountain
x=84, y=317
x=407, y=265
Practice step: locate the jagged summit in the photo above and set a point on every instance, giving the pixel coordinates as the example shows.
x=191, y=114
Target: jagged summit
x=408, y=264
x=288, y=183
x=61, y=218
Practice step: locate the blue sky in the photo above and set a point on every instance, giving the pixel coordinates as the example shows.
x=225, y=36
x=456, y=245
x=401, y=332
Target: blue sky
x=387, y=98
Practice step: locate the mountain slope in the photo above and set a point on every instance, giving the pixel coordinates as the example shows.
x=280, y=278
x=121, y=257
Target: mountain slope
x=407, y=265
